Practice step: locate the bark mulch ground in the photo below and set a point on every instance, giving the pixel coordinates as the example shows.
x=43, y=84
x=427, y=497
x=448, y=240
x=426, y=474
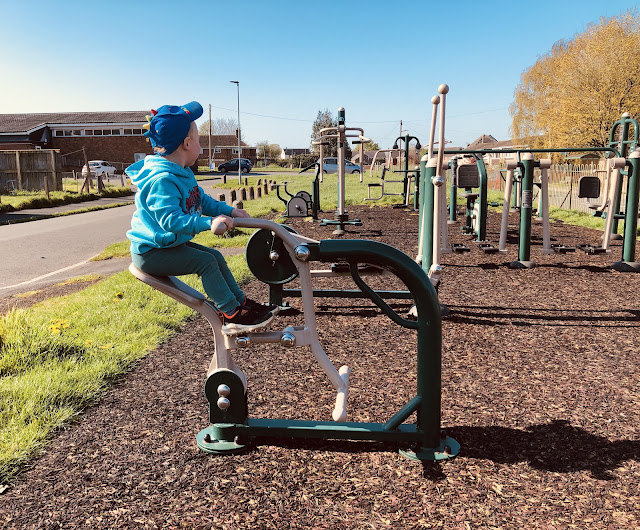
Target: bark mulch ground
x=540, y=386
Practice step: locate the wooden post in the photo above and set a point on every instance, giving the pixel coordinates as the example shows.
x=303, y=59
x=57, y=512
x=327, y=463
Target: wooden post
x=87, y=178
x=258, y=192
x=252, y=194
x=53, y=173
x=232, y=196
x=221, y=197
x=243, y=194
x=18, y=170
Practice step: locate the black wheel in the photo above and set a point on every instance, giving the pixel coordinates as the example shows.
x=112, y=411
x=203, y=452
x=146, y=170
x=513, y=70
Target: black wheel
x=222, y=169
x=259, y=259
x=304, y=195
x=324, y=171
x=355, y=171
x=245, y=170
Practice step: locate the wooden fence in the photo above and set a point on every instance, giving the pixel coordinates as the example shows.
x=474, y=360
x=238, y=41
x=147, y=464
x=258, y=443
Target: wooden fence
x=563, y=184
x=37, y=169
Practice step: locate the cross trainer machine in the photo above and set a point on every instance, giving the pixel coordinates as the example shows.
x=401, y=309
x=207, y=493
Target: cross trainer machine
x=303, y=203
x=231, y=428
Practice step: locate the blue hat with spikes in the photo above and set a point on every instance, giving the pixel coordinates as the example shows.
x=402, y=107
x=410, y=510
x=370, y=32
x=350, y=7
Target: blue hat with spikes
x=169, y=126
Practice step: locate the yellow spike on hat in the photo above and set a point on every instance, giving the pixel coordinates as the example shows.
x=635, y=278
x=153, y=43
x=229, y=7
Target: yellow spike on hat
x=149, y=118
x=147, y=126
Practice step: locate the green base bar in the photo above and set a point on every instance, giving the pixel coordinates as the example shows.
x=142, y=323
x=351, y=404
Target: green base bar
x=522, y=265
x=219, y=447
x=626, y=266
x=349, y=293
x=447, y=450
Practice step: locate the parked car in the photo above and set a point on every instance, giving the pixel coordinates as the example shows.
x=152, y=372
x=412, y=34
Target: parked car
x=100, y=167
x=232, y=165
x=330, y=165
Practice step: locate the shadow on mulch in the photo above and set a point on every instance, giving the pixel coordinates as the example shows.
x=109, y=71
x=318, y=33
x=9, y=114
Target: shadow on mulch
x=557, y=447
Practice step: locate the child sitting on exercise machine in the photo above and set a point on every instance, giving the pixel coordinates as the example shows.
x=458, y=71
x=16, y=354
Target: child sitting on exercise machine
x=171, y=209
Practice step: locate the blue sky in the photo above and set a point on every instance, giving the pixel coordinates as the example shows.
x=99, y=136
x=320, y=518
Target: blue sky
x=380, y=61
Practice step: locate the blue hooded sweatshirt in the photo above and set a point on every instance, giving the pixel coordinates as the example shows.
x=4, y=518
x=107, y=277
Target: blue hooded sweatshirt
x=169, y=205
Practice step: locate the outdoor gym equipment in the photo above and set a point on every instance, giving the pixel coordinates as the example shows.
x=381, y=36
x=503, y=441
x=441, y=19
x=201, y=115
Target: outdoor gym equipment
x=469, y=177
x=232, y=430
x=406, y=181
x=341, y=133
x=619, y=138
x=383, y=180
x=303, y=203
x=433, y=238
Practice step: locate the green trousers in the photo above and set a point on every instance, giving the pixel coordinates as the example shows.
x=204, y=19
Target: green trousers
x=191, y=258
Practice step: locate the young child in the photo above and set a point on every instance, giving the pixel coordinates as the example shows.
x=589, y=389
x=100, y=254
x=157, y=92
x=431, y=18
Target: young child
x=171, y=209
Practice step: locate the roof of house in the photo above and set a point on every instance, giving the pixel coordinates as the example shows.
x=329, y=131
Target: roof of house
x=486, y=140
x=24, y=123
x=296, y=151
x=220, y=140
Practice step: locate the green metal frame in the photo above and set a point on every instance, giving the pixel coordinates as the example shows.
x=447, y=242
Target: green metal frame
x=425, y=440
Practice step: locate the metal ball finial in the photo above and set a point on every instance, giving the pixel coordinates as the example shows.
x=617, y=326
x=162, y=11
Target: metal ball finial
x=443, y=89
x=435, y=100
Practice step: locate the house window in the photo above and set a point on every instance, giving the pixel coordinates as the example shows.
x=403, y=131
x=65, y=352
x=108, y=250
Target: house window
x=88, y=132
x=217, y=150
x=97, y=132
x=128, y=131
x=59, y=133
x=115, y=132
x=235, y=151
x=137, y=131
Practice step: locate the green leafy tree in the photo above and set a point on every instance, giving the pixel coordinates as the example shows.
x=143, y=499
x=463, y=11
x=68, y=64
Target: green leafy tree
x=265, y=150
x=573, y=94
x=324, y=120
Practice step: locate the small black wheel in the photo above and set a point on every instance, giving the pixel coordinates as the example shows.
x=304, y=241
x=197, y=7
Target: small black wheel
x=222, y=169
x=355, y=172
x=245, y=170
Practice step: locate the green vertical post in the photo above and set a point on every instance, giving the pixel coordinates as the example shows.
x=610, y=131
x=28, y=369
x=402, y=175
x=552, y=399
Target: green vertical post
x=427, y=171
x=526, y=206
x=482, y=197
x=405, y=180
x=625, y=122
x=628, y=263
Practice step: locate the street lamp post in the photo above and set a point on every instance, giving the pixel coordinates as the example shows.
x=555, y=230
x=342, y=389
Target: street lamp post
x=237, y=83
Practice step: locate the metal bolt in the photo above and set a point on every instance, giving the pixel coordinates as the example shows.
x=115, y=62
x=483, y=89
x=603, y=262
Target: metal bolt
x=288, y=339
x=302, y=253
x=223, y=403
x=224, y=390
x=274, y=256
x=243, y=342
x=446, y=450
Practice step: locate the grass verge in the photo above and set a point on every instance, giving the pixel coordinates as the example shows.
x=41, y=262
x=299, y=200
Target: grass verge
x=58, y=356
x=37, y=199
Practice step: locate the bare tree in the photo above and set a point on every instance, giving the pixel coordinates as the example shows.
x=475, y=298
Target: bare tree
x=219, y=126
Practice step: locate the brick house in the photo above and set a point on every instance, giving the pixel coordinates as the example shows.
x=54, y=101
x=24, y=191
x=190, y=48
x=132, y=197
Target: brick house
x=224, y=147
x=113, y=136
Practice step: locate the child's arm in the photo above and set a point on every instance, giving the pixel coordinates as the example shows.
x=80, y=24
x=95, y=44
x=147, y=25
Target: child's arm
x=214, y=208
x=164, y=203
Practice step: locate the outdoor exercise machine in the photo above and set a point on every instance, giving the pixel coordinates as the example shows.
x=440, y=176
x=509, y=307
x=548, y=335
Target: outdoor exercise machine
x=303, y=203
x=341, y=133
x=625, y=144
x=469, y=177
x=408, y=174
x=383, y=180
x=232, y=430
x=527, y=164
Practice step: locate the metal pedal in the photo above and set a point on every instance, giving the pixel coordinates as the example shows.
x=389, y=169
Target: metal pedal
x=590, y=249
x=460, y=248
x=563, y=249
x=487, y=248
